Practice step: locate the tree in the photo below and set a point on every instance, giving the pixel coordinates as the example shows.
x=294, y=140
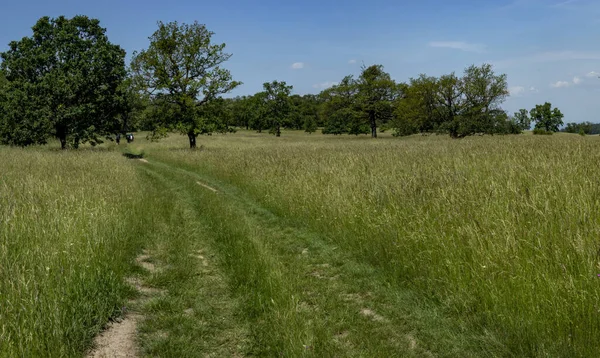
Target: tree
x=181, y=69
x=425, y=96
x=257, y=110
x=522, y=119
x=483, y=93
x=451, y=102
x=339, y=106
x=63, y=81
x=582, y=128
x=546, y=118
x=276, y=98
x=310, y=125
x=376, y=92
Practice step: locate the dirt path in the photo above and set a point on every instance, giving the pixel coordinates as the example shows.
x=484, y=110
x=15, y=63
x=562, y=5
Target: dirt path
x=119, y=339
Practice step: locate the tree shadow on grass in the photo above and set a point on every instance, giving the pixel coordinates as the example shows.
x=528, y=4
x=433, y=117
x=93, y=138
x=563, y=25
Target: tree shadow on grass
x=133, y=156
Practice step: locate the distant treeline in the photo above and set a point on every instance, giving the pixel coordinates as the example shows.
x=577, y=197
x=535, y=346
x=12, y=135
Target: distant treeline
x=70, y=82
x=582, y=128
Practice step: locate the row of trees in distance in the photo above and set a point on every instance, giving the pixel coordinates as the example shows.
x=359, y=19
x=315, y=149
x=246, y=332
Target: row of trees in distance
x=70, y=82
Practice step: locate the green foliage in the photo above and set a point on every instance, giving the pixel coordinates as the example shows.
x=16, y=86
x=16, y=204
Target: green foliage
x=417, y=109
x=339, y=106
x=483, y=93
x=276, y=105
x=522, y=119
x=181, y=72
x=376, y=92
x=310, y=124
x=581, y=128
x=547, y=118
x=457, y=106
x=303, y=109
x=63, y=81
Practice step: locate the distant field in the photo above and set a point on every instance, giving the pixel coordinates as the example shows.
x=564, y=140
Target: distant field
x=310, y=245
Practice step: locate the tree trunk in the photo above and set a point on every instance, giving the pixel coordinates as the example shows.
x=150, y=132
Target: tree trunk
x=61, y=134
x=278, y=130
x=192, y=136
x=373, y=124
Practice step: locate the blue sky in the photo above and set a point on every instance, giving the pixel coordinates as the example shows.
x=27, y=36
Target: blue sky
x=550, y=49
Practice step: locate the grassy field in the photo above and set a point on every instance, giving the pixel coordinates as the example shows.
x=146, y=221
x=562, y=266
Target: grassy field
x=69, y=224
x=308, y=246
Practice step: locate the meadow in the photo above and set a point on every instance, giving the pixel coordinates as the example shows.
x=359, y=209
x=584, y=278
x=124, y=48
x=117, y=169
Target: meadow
x=314, y=245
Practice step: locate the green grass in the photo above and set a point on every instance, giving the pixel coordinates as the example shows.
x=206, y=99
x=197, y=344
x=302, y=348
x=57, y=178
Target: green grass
x=499, y=232
x=313, y=246
x=70, y=224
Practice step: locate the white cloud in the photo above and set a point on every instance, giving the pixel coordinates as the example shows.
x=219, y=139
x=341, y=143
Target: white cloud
x=560, y=84
x=577, y=80
x=516, y=90
x=352, y=62
x=593, y=74
x=533, y=89
x=324, y=85
x=458, y=45
x=297, y=65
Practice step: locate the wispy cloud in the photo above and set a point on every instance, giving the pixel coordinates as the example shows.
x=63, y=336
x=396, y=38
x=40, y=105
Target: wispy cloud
x=352, y=61
x=458, y=45
x=577, y=80
x=519, y=91
x=324, y=85
x=560, y=84
x=592, y=74
x=297, y=65
x=516, y=90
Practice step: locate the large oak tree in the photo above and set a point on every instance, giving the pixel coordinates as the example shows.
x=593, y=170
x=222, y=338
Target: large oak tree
x=181, y=69
x=62, y=81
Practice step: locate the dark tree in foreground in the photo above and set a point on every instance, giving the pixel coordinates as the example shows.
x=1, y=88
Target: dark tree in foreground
x=181, y=70
x=546, y=118
x=63, y=81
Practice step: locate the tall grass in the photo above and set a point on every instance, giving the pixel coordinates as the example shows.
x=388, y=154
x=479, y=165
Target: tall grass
x=70, y=224
x=501, y=231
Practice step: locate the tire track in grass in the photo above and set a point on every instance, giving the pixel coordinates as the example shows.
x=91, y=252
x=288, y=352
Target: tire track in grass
x=304, y=296
x=197, y=316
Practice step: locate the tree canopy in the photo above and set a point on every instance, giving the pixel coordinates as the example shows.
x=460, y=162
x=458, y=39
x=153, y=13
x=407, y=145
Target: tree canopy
x=458, y=106
x=546, y=118
x=63, y=81
x=276, y=104
x=181, y=71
